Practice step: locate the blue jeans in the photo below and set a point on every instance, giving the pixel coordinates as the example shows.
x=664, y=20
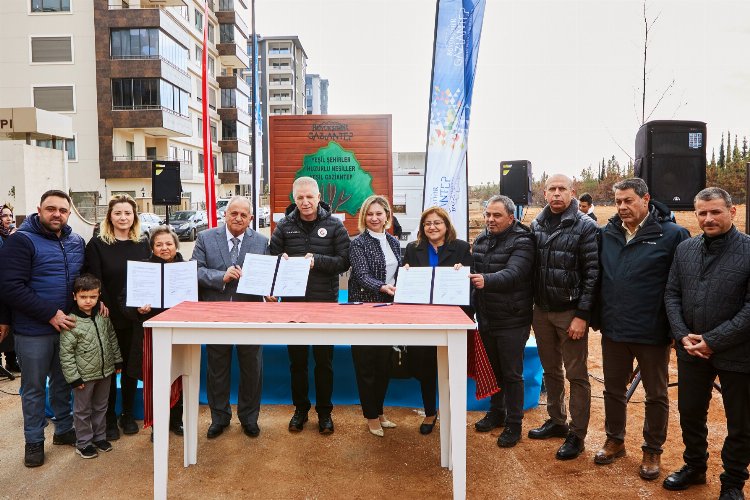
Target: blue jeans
x=39, y=358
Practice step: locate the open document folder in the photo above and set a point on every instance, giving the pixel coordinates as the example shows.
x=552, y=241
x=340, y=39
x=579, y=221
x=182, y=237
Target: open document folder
x=161, y=285
x=273, y=275
x=433, y=285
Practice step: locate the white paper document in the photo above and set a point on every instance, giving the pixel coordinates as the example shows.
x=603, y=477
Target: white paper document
x=270, y=275
x=413, y=285
x=180, y=283
x=144, y=284
x=257, y=274
x=451, y=286
x=291, y=279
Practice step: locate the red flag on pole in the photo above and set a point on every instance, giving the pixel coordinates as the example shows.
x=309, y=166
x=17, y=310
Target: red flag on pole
x=208, y=157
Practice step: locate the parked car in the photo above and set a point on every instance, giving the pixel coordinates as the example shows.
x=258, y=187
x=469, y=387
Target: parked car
x=264, y=216
x=148, y=222
x=188, y=223
x=221, y=207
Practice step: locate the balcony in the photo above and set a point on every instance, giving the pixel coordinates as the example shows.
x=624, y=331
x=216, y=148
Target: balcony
x=148, y=4
x=233, y=17
x=235, y=145
x=155, y=120
x=232, y=56
x=149, y=67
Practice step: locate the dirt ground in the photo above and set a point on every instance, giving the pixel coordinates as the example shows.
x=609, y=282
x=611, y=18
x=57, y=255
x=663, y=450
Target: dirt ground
x=351, y=463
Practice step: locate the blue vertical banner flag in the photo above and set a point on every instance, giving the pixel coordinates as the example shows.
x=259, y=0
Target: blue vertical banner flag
x=458, y=28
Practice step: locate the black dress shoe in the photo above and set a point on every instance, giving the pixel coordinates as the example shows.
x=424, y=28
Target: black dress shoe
x=128, y=424
x=427, y=428
x=571, y=448
x=549, y=429
x=113, y=432
x=251, y=430
x=177, y=429
x=325, y=424
x=491, y=420
x=297, y=423
x=215, y=430
x=510, y=436
x=684, y=478
x=730, y=493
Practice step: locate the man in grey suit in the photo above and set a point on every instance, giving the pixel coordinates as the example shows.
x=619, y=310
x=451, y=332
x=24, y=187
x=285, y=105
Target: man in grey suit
x=220, y=253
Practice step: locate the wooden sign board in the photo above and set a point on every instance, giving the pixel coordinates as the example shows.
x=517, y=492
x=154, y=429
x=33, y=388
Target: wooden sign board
x=349, y=156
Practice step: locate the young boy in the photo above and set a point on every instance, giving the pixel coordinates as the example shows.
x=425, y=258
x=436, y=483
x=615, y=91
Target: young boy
x=89, y=355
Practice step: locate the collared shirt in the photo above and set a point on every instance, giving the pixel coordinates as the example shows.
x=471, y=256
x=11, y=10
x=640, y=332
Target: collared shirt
x=628, y=235
x=230, y=236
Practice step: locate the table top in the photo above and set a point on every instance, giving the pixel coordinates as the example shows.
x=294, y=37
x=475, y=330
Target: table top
x=310, y=314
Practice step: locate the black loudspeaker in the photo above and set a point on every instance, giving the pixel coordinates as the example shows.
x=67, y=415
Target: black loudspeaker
x=515, y=181
x=166, y=187
x=670, y=156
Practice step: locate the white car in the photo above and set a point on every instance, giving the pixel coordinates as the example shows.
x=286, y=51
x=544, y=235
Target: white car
x=148, y=222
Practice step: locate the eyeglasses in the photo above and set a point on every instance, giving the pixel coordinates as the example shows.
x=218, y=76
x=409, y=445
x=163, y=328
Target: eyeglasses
x=436, y=223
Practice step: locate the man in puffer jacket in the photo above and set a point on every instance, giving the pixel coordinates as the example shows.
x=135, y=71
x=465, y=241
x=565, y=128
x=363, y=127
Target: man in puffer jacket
x=566, y=273
x=89, y=355
x=40, y=263
x=637, y=246
x=503, y=298
x=309, y=230
x=708, y=304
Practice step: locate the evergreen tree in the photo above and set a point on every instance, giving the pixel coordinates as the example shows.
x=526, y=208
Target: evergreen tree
x=736, y=152
x=722, y=162
x=744, y=147
x=713, y=157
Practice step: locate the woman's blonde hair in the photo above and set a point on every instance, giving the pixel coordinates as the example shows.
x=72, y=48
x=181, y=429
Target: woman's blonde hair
x=380, y=200
x=450, y=231
x=107, y=230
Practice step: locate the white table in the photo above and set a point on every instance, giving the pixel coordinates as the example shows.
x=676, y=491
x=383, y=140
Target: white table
x=179, y=333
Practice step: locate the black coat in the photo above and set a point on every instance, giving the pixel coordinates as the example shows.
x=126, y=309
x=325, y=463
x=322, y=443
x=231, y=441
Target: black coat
x=708, y=293
x=506, y=261
x=368, y=268
x=450, y=254
x=567, y=261
x=327, y=240
x=634, y=275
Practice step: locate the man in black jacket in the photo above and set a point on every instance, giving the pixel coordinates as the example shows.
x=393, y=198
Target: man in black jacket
x=503, y=298
x=566, y=273
x=636, y=250
x=309, y=230
x=708, y=304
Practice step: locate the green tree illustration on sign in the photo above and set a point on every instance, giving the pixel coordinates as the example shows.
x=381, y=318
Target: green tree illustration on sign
x=343, y=184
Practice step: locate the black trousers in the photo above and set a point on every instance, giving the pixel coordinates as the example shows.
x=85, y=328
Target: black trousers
x=423, y=366
x=372, y=364
x=128, y=385
x=694, y=394
x=219, y=381
x=323, y=355
x=505, y=349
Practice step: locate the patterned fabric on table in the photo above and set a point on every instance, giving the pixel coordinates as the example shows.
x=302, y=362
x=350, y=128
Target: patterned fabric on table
x=478, y=366
x=148, y=377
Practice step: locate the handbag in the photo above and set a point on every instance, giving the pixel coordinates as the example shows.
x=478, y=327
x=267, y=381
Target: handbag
x=399, y=362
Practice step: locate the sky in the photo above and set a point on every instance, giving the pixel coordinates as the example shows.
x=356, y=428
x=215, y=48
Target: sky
x=558, y=81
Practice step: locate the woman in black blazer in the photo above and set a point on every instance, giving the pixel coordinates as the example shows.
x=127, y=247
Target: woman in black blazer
x=375, y=257
x=436, y=245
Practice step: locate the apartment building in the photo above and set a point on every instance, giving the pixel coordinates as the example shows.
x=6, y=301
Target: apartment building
x=316, y=94
x=129, y=73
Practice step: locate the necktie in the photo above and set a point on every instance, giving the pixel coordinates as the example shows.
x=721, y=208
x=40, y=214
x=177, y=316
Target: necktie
x=234, y=253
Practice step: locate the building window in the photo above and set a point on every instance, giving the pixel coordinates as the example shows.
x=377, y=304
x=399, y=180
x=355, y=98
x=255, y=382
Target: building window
x=210, y=33
x=51, y=49
x=148, y=93
x=173, y=153
x=212, y=99
x=200, y=126
x=199, y=20
x=56, y=98
x=147, y=43
x=187, y=156
x=200, y=163
x=70, y=146
x=150, y=153
x=229, y=162
x=214, y=135
x=50, y=5
x=226, y=33
x=130, y=150
x=199, y=54
x=228, y=99
x=211, y=66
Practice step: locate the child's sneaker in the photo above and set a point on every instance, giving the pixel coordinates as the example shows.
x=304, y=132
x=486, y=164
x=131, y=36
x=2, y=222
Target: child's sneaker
x=103, y=445
x=87, y=452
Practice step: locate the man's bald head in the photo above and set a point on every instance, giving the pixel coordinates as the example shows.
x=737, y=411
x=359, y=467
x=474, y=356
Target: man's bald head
x=558, y=192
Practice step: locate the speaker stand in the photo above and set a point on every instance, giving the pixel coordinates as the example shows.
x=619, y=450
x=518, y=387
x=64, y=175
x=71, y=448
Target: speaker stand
x=635, y=379
x=6, y=374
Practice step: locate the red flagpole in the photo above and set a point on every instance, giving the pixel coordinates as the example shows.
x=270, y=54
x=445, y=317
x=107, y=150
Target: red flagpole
x=208, y=162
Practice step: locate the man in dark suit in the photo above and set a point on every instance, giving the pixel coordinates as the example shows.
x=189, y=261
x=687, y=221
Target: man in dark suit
x=220, y=253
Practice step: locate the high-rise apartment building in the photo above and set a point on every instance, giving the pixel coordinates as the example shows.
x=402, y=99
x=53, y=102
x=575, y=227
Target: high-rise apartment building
x=316, y=95
x=129, y=73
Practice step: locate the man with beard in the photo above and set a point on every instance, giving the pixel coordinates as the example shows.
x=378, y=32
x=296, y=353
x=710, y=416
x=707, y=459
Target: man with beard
x=42, y=261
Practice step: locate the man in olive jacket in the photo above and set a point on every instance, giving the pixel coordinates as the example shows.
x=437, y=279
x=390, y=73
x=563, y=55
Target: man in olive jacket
x=310, y=230
x=636, y=250
x=708, y=304
x=566, y=273
x=503, y=298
